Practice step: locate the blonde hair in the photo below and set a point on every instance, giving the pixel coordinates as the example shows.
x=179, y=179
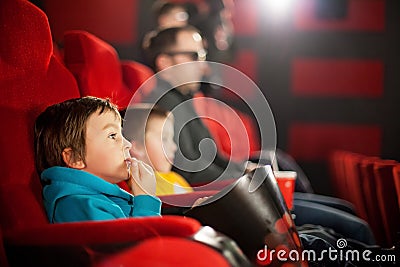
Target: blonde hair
x=138, y=117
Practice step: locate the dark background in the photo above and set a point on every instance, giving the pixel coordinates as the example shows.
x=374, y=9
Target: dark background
x=329, y=68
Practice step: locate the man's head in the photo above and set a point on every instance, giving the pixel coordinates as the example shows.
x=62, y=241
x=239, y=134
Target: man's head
x=169, y=14
x=174, y=46
x=82, y=133
x=151, y=131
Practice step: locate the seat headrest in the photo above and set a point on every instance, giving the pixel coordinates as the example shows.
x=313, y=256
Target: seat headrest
x=30, y=76
x=23, y=49
x=95, y=65
x=137, y=77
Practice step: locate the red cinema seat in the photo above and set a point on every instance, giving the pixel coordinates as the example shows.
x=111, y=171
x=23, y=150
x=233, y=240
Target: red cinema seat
x=137, y=77
x=352, y=169
x=31, y=79
x=371, y=199
x=387, y=199
x=153, y=252
x=96, y=67
x=338, y=176
x=396, y=174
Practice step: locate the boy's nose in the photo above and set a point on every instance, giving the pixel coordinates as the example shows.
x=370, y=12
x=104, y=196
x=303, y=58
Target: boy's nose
x=126, y=143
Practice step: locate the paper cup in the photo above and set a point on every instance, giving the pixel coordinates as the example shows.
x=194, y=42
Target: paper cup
x=286, y=181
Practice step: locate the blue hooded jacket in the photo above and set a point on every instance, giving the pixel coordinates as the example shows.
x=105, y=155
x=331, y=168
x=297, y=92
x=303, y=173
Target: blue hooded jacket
x=72, y=195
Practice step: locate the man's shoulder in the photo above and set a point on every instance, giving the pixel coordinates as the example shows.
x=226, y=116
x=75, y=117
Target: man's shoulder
x=167, y=99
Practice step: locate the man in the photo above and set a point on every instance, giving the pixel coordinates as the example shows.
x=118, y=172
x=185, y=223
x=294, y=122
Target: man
x=178, y=55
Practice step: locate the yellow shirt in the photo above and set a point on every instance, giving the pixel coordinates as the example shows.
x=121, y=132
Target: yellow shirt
x=170, y=183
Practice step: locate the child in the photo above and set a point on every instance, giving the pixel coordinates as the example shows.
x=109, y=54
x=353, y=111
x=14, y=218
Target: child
x=151, y=132
x=80, y=154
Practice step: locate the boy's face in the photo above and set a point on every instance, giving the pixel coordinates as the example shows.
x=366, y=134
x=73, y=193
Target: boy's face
x=160, y=143
x=106, y=147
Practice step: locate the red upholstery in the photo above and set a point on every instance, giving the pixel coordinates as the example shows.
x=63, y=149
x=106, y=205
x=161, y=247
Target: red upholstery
x=396, y=174
x=136, y=76
x=387, y=199
x=352, y=162
x=349, y=178
x=232, y=130
x=96, y=67
x=368, y=183
x=338, y=177
x=31, y=79
x=80, y=244
x=371, y=198
x=179, y=252
x=106, y=232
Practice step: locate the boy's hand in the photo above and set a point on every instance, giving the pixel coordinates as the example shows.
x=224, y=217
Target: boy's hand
x=250, y=166
x=199, y=201
x=142, y=180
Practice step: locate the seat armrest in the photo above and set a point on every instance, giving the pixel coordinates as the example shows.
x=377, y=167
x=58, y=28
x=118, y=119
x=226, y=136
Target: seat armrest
x=102, y=232
x=186, y=199
x=85, y=243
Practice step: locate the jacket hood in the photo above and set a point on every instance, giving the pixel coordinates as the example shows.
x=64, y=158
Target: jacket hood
x=61, y=182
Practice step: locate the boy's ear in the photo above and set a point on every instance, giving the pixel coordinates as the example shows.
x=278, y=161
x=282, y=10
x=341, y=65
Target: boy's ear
x=70, y=161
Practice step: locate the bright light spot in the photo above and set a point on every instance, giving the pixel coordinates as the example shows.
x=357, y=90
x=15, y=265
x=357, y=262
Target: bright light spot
x=278, y=7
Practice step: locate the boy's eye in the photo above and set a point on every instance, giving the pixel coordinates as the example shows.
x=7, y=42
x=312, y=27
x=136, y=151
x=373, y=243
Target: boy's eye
x=113, y=136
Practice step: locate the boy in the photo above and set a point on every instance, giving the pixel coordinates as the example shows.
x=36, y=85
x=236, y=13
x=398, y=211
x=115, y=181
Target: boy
x=80, y=154
x=151, y=133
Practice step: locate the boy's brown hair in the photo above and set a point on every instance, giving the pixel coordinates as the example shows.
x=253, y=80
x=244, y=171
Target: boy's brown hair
x=137, y=118
x=63, y=125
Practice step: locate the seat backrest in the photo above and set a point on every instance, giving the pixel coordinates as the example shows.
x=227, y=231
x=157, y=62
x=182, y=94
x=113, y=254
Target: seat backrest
x=396, y=175
x=387, y=199
x=136, y=77
x=31, y=79
x=96, y=67
x=338, y=177
x=371, y=199
x=352, y=162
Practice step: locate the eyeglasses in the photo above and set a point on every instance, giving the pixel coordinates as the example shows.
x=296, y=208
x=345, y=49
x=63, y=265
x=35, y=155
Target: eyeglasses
x=193, y=55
